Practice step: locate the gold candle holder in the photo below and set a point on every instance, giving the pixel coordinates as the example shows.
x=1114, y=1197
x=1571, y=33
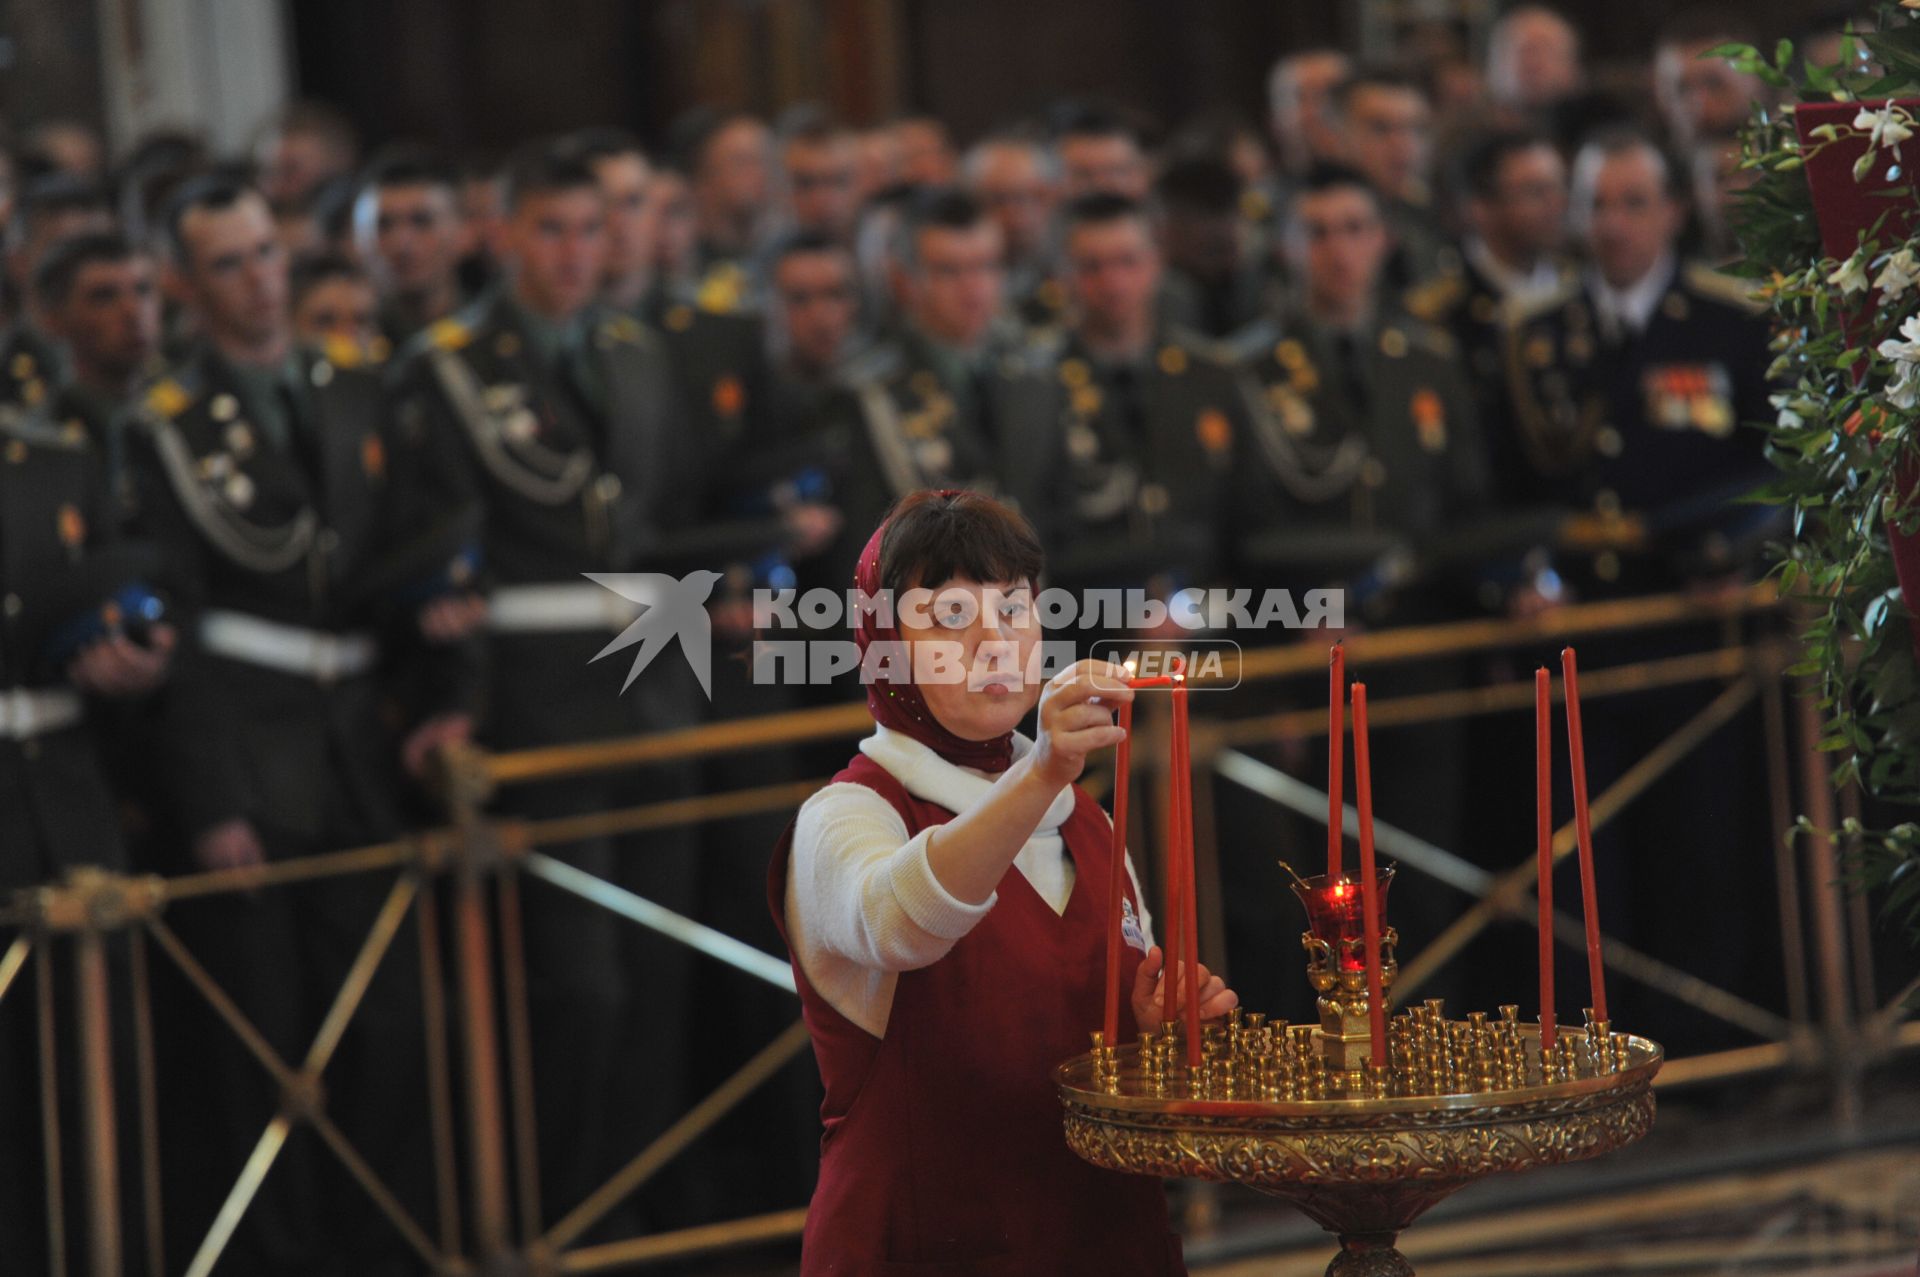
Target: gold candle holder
x=1300, y=1113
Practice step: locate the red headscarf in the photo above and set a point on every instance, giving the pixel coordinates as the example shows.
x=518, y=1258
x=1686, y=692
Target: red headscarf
x=900, y=706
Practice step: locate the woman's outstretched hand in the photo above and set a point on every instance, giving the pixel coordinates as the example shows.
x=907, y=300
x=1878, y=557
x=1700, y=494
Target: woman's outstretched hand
x=1216, y=999
x=1076, y=718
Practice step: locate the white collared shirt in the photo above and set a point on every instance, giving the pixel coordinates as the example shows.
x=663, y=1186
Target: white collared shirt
x=1628, y=310
x=1513, y=285
x=862, y=901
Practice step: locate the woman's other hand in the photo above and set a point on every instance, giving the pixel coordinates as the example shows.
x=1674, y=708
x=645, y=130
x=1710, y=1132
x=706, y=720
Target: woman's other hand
x=1216, y=999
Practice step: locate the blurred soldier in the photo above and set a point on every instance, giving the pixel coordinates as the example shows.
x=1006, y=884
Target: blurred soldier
x=81, y=619
x=1533, y=62
x=411, y=233
x=66, y=146
x=720, y=369
x=100, y=300
x=1015, y=179
x=729, y=162
x=260, y=472
x=335, y=308
x=1365, y=412
x=555, y=425
x=1300, y=108
x=1100, y=151
x=925, y=151
x=814, y=315
x=1386, y=126
x=308, y=145
x=879, y=161
x=50, y=209
x=1156, y=430
x=1629, y=385
x=943, y=402
x=1702, y=99
x=1366, y=418
x=1513, y=189
x=1213, y=285
x=479, y=190
x=819, y=170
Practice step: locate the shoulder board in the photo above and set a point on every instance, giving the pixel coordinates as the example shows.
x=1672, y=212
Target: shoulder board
x=168, y=398
x=1435, y=298
x=1715, y=286
x=449, y=334
x=344, y=352
x=1199, y=346
x=876, y=363
x=40, y=430
x=1525, y=309
x=619, y=327
x=1433, y=339
x=1252, y=341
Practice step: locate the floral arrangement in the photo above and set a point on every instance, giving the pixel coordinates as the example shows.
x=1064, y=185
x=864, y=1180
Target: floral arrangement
x=1830, y=236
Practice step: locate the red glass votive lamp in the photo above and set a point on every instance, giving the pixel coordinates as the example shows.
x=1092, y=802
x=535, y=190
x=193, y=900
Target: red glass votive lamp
x=1335, y=917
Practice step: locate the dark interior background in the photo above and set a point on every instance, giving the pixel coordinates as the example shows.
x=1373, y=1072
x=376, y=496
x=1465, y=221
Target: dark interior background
x=483, y=73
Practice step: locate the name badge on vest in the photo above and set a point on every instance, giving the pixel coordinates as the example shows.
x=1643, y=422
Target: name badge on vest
x=1130, y=926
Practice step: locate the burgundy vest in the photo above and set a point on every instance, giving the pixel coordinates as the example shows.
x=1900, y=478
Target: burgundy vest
x=944, y=1153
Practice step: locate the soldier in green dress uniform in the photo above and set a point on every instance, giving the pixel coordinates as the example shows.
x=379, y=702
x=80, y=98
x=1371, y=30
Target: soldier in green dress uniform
x=554, y=425
x=260, y=471
x=1156, y=439
x=100, y=299
x=955, y=397
x=1365, y=416
x=81, y=625
x=51, y=209
x=411, y=233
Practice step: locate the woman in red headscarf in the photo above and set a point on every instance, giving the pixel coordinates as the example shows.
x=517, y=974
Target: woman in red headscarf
x=941, y=899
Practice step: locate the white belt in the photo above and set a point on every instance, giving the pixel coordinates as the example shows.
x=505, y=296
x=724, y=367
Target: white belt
x=559, y=607
x=30, y=711
x=289, y=649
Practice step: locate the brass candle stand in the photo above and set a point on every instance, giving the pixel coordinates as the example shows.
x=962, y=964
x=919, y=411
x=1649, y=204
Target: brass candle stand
x=1300, y=1112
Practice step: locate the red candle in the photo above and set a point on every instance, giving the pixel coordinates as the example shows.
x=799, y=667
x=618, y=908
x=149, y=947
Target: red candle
x=1543, y=828
x=1336, y=755
x=1583, y=825
x=1369, y=879
x=1170, y=944
x=1117, y=873
x=1190, y=926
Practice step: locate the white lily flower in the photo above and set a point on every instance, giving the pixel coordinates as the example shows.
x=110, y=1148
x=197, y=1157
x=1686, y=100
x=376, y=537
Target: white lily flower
x=1851, y=275
x=1900, y=272
x=1904, y=392
x=1890, y=125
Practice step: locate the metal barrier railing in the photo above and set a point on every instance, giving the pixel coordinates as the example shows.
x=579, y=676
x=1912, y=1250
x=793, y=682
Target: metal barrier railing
x=474, y=865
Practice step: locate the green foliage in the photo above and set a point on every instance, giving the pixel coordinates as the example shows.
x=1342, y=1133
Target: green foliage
x=1848, y=417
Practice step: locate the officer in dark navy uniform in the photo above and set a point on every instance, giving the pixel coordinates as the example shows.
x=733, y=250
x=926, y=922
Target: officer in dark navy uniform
x=1629, y=387
x=1513, y=188
x=1634, y=392
x=79, y=618
x=1155, y=431
x=259, y=470
x=555, y=425
x=956, y=397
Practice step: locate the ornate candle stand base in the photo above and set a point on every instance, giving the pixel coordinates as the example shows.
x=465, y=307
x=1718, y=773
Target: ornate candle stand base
x=1363, y=1153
